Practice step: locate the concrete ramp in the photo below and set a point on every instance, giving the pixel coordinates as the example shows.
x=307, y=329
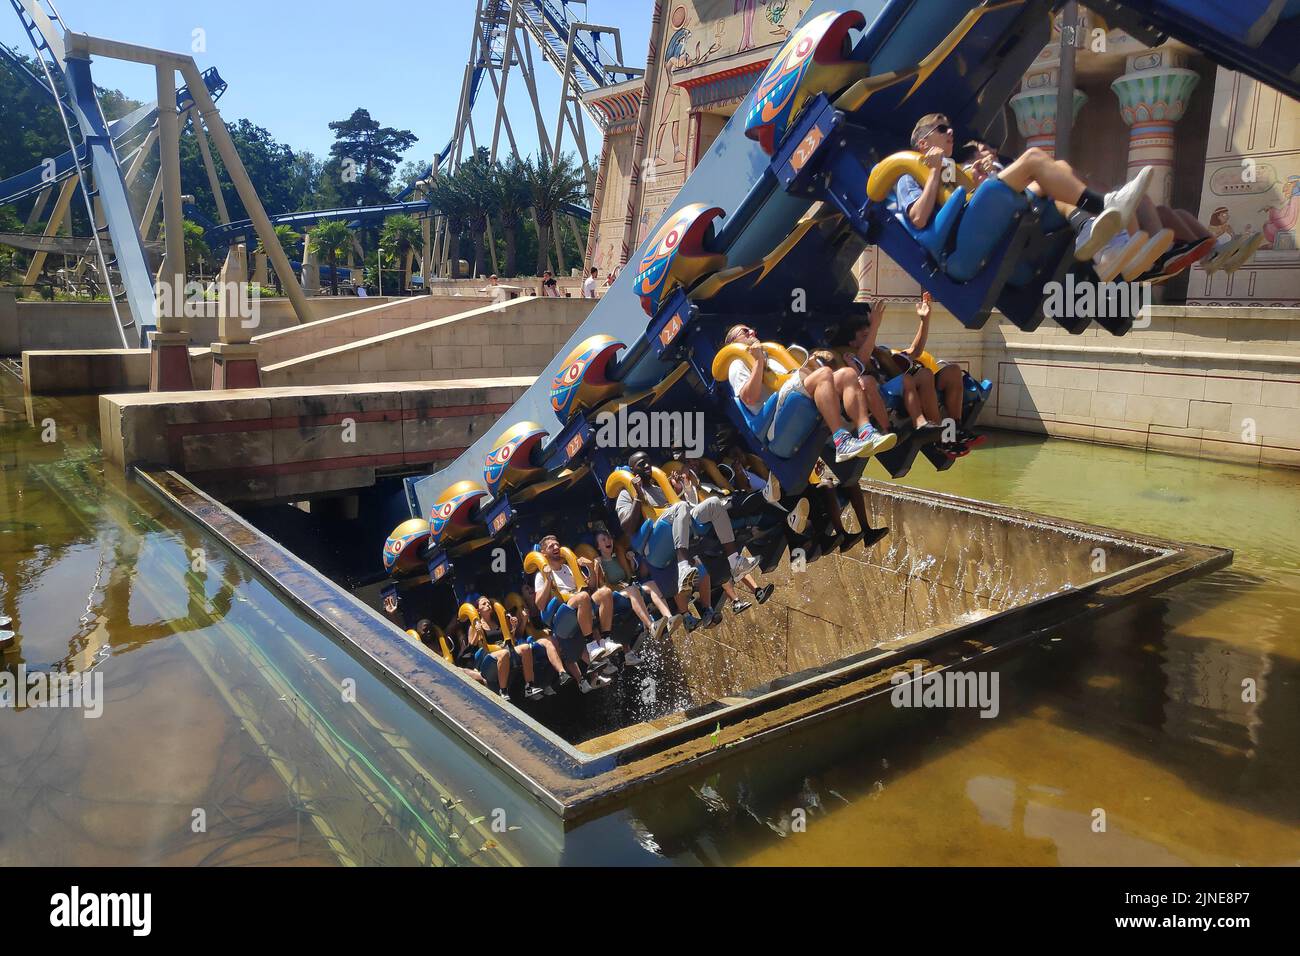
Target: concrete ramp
x=421, y=339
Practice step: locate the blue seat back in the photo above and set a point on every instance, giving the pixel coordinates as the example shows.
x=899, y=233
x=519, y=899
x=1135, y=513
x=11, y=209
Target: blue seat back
x=796, y=420
x=934, y=237
x=983, y=228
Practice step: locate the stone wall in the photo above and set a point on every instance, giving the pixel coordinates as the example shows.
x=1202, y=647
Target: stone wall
x=90, y=325
x=285, y=443
x=1197, y=382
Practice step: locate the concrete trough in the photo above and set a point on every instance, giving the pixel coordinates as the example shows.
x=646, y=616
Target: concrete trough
x=957, y=584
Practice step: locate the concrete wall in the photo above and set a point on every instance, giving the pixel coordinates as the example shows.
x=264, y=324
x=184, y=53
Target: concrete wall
x=90, y=325
x=97, y=371
x=516, y=338
x=285, y=443
x=1201, y=382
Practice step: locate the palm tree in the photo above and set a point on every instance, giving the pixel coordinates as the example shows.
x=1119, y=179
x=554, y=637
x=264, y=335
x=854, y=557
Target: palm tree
x=473, y=179
x=288, y=241
x=510, y=198
x=552, y=185
x=329, y=240
x=403, y=237
x=447, y=200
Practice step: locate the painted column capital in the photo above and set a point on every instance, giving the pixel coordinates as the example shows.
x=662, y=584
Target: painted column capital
x=1157, y=95
x=1035, y=111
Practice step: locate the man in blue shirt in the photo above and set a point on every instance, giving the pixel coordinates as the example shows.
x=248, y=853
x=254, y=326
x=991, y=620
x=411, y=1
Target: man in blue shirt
x=933, y=138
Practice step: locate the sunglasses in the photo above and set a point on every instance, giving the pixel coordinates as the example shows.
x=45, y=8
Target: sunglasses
x=940, y=128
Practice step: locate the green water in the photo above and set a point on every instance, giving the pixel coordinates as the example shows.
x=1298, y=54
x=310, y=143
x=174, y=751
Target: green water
x=224, y=707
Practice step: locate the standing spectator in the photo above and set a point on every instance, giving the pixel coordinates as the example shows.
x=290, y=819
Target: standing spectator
x=496, y=290
x=549, y=286
x=589, y=283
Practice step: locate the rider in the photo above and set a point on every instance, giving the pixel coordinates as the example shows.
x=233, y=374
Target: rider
x=902, y=374
x=574, y=629
x=835, y=392
x=681, y=515
x=686, y=483
x=495, y=665
x=933, y=137
x=613, y=570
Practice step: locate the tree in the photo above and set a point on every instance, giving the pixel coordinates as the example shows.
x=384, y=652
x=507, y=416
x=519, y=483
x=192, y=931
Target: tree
x=552, y=185
x=288, y=241
x=473, y=179
x=365, y=156
x=447, y=200
x=402, y=236
x=285, y=181
x=510, y=197
x=196, y=248
x=329, y=240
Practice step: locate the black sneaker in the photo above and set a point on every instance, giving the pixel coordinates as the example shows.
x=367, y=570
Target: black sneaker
x=929, y=432
x=739, y=606
x=874, y=535
x=762, y=594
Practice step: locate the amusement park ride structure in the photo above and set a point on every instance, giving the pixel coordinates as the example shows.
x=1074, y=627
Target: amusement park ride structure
x=105, y=159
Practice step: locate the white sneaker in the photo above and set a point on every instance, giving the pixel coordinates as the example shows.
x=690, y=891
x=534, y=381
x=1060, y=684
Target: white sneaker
x=658, y=627
x=740, y=566
x=876, y=442
x=772, y=490
x=532, y=693
x=596, y=651
x=631, y=658
x=612, y=647
x=849, y=447
x=599, y=682
x=797, y=519
x=1096, y=232
x=687, y=574
x=1126, y=198
x=1112, y=259
x=1246, y=247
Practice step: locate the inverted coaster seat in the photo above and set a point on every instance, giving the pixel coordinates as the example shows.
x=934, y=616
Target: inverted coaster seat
x=788, y=434
x=985, y=247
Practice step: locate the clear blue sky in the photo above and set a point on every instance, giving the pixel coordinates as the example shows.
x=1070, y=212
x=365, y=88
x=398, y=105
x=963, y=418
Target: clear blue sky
x=293, y=67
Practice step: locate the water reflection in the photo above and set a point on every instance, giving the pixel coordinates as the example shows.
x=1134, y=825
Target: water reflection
x=221, y=699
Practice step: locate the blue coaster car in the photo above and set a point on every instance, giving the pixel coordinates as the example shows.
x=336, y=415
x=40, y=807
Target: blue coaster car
x=985, y=247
